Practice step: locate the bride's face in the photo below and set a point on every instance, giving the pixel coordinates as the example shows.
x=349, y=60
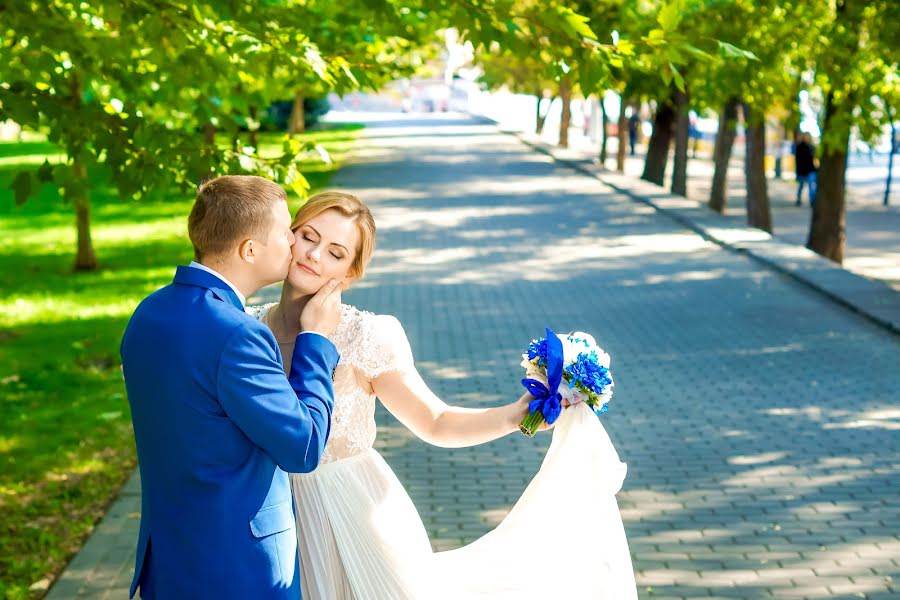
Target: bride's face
x=324, y=249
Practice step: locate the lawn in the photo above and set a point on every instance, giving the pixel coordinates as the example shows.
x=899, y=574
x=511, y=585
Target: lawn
x=66, y=445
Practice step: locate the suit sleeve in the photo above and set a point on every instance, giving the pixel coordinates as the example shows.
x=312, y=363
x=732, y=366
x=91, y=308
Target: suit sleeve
x=289, y=418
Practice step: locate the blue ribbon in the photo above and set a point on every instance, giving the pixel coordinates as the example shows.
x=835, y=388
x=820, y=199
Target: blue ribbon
x=547, y=401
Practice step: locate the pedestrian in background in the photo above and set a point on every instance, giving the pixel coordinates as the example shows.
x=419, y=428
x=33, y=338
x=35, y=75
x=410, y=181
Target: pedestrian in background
x=633, y=122
x=805, y=159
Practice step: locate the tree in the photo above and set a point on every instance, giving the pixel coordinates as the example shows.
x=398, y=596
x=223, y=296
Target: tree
x=722, y=153
x=138, y=91
x=521, y=74
x=124, y=87
x=857, y=57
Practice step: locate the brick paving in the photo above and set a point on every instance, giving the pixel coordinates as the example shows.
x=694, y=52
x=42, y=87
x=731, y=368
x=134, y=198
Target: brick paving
x=758, y=418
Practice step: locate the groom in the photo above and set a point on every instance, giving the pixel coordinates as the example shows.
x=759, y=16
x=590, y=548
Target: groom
x=216, y=422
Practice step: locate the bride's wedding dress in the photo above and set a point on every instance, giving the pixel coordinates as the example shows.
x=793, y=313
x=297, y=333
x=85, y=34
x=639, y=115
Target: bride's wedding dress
x=361, y=538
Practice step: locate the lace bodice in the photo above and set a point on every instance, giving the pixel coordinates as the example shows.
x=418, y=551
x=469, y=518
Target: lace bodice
x=369, y=345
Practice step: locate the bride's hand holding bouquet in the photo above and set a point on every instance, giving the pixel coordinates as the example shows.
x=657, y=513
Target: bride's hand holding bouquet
x=561, y=370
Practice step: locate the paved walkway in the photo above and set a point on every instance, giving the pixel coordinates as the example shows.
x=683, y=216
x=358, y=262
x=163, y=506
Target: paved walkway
x=872, y=229
x=759, y=418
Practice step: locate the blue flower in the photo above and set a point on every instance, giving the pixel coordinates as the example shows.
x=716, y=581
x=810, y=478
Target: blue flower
x=589, y=372
x=538, y=349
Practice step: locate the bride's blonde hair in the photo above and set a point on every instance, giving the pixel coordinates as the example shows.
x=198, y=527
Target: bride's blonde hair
x=351, y=207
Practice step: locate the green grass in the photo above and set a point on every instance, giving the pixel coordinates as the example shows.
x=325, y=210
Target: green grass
x=66, y=444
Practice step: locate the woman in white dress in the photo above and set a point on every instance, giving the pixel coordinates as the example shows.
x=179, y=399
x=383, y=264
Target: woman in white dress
x=360, y=536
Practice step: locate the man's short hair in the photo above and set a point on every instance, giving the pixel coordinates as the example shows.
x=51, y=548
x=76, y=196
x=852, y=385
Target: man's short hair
x=230, y=209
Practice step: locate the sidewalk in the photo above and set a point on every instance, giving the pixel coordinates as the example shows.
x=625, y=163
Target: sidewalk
x=873, y=230
x=758, y=417
x=869, y=280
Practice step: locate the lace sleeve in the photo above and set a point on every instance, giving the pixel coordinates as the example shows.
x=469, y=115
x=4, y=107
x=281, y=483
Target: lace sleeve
x=385, y=347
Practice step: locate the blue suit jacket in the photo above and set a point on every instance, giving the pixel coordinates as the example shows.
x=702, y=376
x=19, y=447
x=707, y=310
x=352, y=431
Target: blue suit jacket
x=217, y=424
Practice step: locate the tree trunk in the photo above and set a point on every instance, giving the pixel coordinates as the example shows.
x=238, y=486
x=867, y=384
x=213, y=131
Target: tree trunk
x=297, y=123
x=565, y=92
x=254, y=131
x=887, y=185
x=85, y=258
x=538, y=119
x=758, y=213
x=827, y=234
x=722, y=155
x=660, y=140
x=209, y=135
x=604, y=138
x=622, y=134
x=79, y=193
x=542, y=119
x=682, y=138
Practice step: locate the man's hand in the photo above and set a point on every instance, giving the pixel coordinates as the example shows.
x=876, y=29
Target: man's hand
x=323, y=311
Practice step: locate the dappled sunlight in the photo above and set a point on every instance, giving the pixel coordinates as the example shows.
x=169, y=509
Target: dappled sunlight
x=454, y=265
x=640, y=504
x=556, y=264
x=44, y=310
x=756, y=459
x=797, y=477
x=403, y=219
x=680, y=276
x=781, y=349
x=735, y=433
x=140, y=234
x=31, y=160
x=135, y=235
x=493, y=517
x=433, y=370
x=888, y=419
x=487, y=234
x=735, y=235
x=821, y=574
x=885, y=266
x=8, y=443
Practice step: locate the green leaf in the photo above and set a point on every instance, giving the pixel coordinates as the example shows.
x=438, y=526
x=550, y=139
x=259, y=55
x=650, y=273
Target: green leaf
x=679, y=80
x=666, y=75
x=625, y=47
x=730, y=51
x=695, y=52
x=578, y=23
x=511, y=26
x=45, y=172
x=669, y=16
x=21, y=185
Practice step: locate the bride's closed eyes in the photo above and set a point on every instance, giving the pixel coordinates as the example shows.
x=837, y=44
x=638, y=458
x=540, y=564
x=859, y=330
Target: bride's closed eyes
x=311, y=235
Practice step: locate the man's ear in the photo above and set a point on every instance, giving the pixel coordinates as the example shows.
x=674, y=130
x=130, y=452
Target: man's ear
x=247, y=251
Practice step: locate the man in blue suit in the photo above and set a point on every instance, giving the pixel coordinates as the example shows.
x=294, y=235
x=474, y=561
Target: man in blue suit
x=216, y=422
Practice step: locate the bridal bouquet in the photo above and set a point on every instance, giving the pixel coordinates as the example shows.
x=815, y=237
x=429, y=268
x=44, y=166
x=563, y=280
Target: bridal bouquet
x=564, y=367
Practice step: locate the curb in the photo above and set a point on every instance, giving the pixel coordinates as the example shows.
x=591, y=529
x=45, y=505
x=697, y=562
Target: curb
x=874, y=300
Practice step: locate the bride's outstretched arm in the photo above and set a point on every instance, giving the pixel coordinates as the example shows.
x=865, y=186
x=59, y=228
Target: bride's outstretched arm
x=408, y=398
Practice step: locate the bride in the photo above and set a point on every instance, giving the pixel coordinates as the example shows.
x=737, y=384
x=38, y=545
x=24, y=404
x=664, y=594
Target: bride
x=360, y=536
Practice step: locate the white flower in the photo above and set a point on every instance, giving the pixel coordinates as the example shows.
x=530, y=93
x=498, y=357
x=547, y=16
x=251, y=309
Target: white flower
x=586, y=338
x=571, y=349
